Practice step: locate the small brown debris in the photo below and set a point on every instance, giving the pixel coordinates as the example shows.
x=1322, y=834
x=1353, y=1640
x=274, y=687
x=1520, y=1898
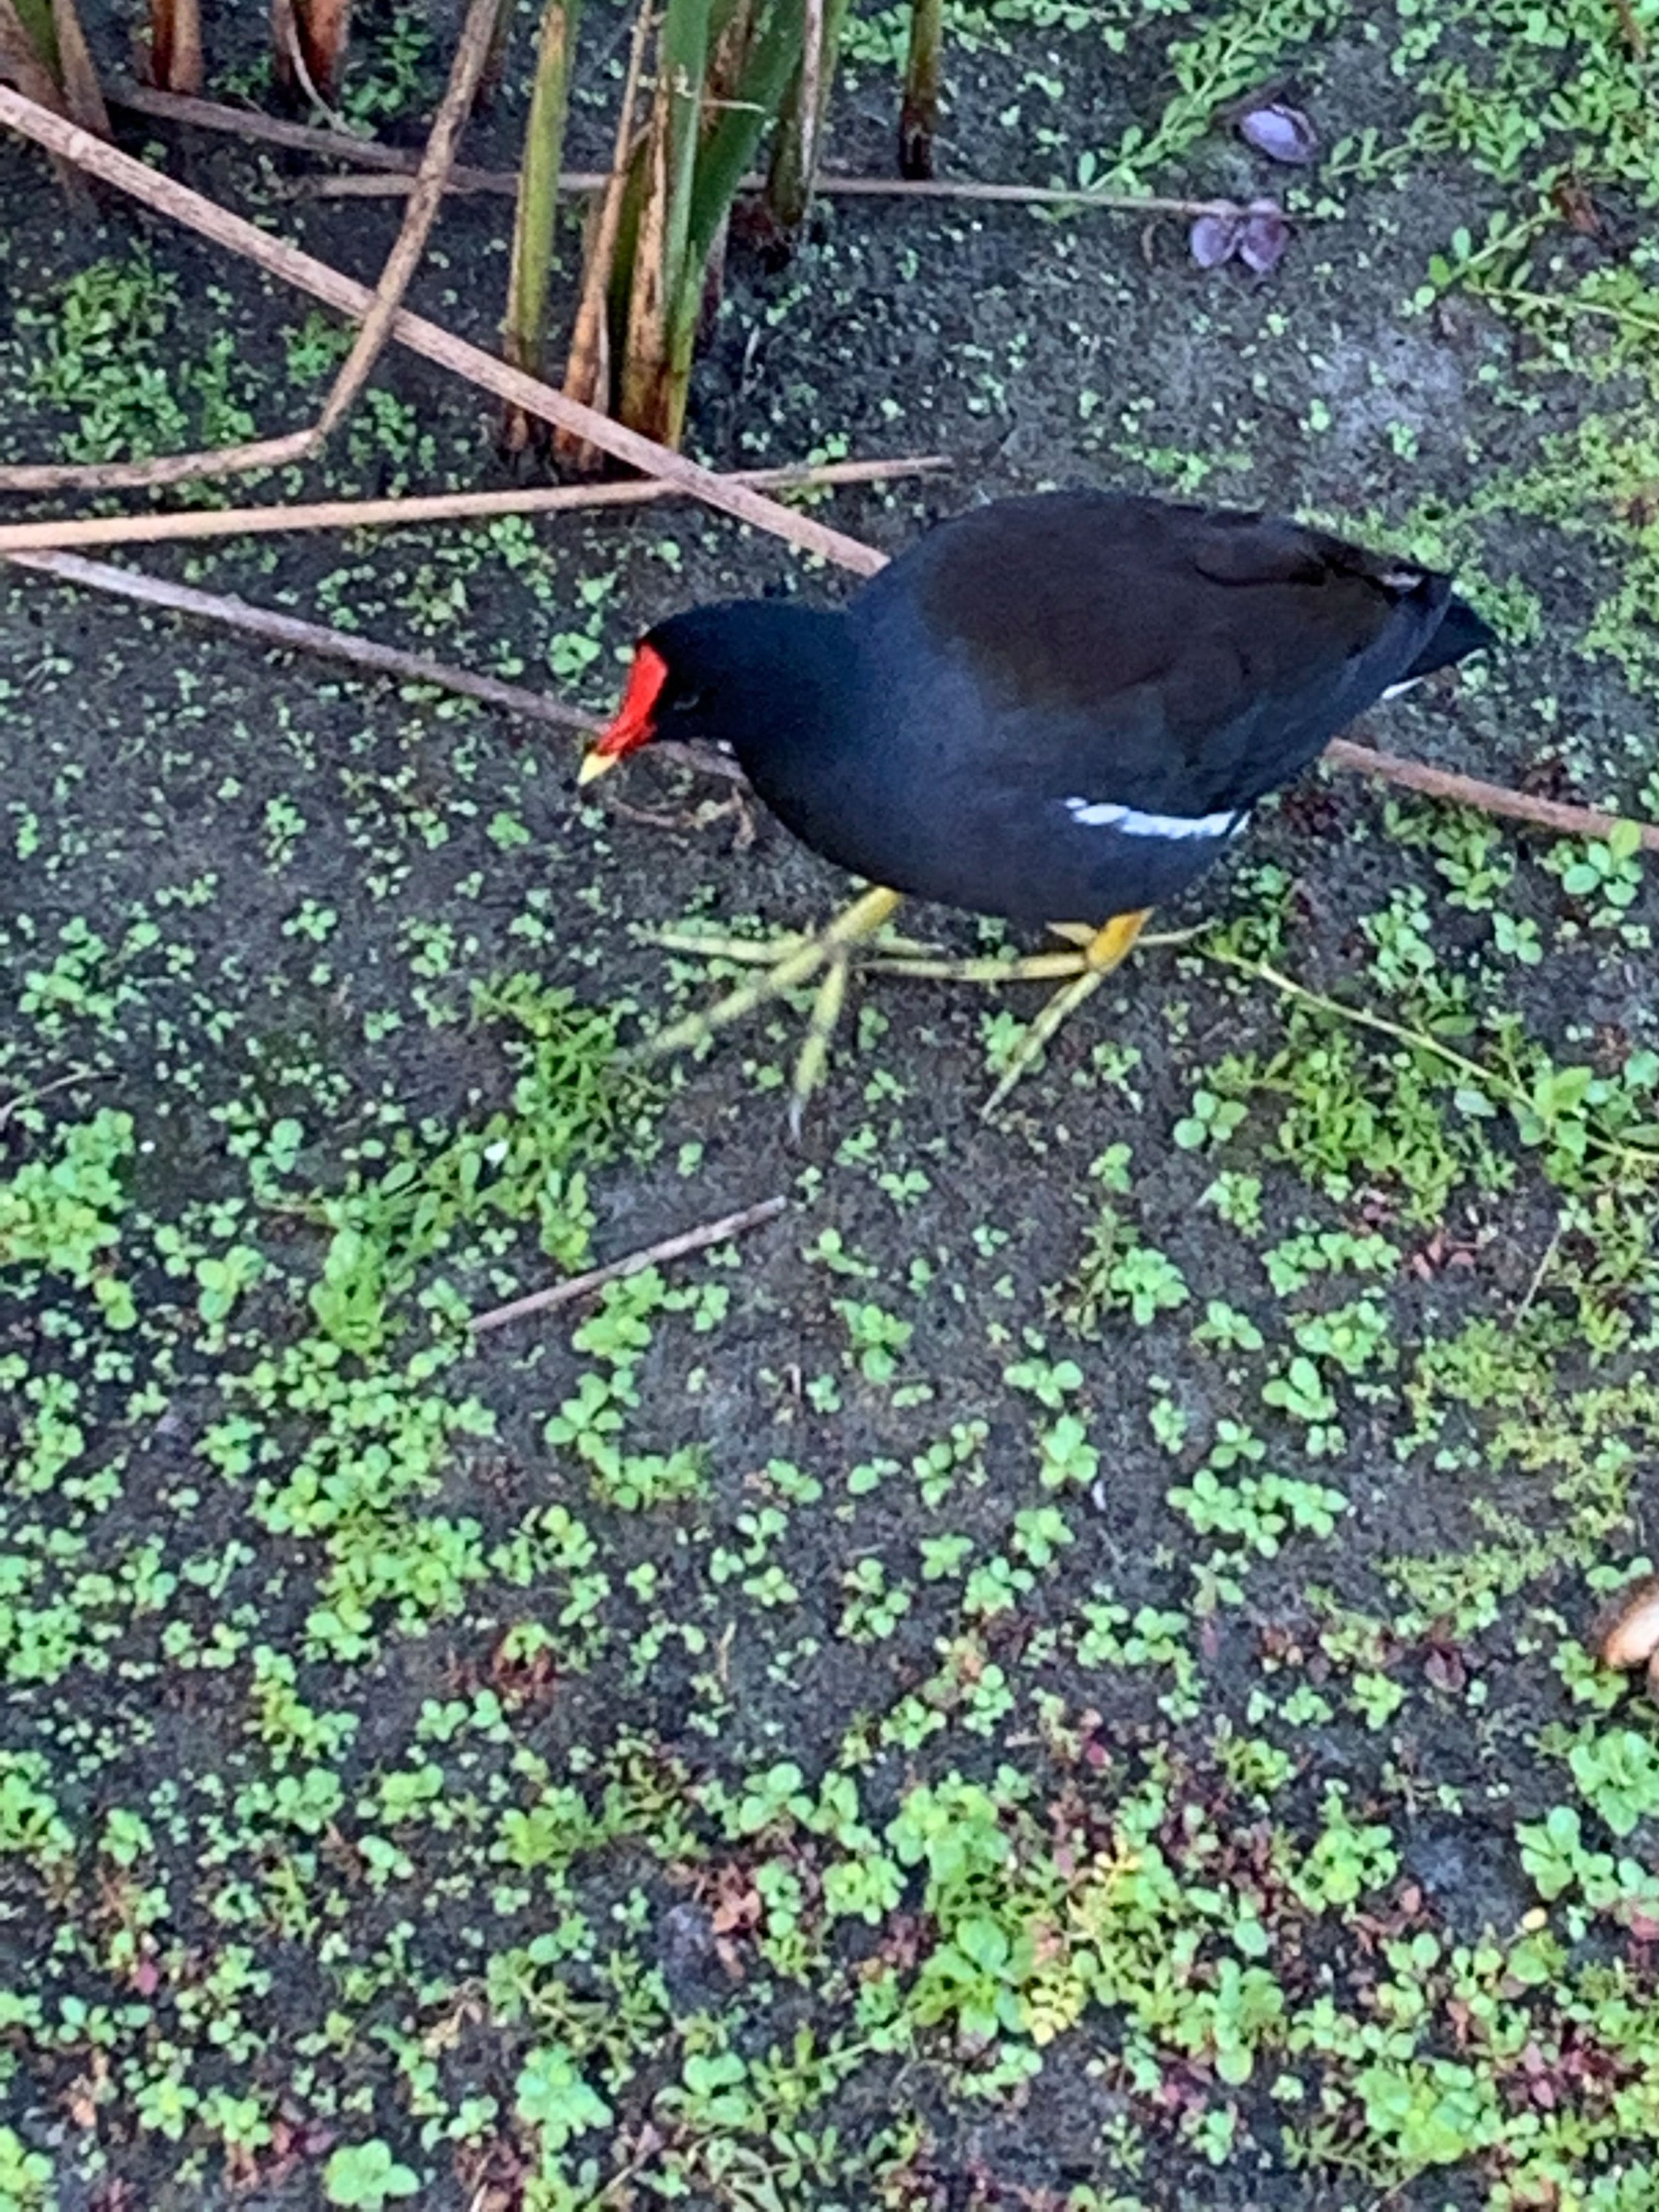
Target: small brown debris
x=1576, y=208
x=1626, y=1635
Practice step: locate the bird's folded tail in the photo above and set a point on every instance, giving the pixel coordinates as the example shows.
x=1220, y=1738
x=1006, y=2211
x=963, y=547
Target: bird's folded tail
x=1459, y=631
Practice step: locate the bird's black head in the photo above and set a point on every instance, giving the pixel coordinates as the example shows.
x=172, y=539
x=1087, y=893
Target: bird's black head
x=728, y=675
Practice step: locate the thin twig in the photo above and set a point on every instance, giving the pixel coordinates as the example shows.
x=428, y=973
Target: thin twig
x=253, y=122
x=1417, y=1040
x=1487, y=798
x=107, y=530
x=281, y=259
x=471, y=51
x=39, y=1091
x=671, y=1248
x=289, y=634
x=90, y=476
x=1536, y=1284
x=291, y=57
x=499, y=182
x=398, y=166
x=1489, y=1080
x=299, y=445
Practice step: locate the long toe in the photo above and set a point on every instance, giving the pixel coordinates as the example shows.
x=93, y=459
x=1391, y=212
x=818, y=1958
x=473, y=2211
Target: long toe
x=1036, y=968
x=1059, y=1010
x=796, y=967
x=814, y=1061
x=786, y=963
x=750, y=951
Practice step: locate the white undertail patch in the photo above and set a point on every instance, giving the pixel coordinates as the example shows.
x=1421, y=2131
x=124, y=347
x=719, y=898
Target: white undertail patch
x=1106, y=814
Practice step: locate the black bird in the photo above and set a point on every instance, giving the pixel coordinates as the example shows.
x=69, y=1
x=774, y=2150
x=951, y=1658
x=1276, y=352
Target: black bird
x=1059, y=709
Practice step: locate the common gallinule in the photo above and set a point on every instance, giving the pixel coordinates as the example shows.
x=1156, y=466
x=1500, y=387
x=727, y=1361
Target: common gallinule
x=1060, y=706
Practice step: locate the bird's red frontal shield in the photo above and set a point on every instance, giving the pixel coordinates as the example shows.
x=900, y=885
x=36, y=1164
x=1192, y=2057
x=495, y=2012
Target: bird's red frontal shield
x=633, y=723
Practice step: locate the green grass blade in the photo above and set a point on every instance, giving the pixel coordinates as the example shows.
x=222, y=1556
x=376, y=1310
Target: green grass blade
x=525, y=330
x=734, y=133
x=919, y=118
x=683, y=63
x=797, y=146
x=648, y=401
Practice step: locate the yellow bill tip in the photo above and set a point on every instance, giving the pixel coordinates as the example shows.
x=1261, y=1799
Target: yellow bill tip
x=594, y=765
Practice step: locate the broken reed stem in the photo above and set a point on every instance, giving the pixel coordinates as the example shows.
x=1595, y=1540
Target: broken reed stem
x=292, y=636
x=426, y=194
x=82, y=89
x=588, y=361
x=310, y=37
x=1485, y=797
x=175, y=45
x=397, y=165
x=105, y=531
x=43, y=51
x=671, y=1248
x=798, y=137
x=919, y=115
x=811, y=91
x=281, y=259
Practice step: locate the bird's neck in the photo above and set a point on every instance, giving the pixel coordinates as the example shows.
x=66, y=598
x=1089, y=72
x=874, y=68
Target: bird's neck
x=802, y=689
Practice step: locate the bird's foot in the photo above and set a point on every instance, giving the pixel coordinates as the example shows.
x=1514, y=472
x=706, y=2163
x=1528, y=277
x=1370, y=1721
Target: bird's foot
x=1081, y=971
x=898, y=956
x=1105, y=950
x=789, y=962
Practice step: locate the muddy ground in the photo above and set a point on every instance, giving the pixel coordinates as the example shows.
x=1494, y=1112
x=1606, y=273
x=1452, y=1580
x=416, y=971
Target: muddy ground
x=1052, y=1673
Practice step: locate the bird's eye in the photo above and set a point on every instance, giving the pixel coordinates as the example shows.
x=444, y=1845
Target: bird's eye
x=686, y=702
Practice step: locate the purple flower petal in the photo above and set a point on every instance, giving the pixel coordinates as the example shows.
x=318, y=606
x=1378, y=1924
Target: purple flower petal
x=1214, y=239
x=1264, y=237
x=1283, y=134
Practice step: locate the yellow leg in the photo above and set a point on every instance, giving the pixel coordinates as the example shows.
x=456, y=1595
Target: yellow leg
x=1105, y=950
x=794, y=961
x=896, y=958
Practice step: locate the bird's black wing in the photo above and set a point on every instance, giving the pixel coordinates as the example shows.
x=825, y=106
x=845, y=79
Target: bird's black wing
x=1166, y=658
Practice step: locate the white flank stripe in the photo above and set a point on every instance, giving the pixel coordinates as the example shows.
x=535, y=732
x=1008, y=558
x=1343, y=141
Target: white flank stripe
x=1409, y=683
x=1103, y=814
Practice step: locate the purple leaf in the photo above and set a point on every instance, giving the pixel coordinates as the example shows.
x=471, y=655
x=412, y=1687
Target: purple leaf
x=1265, y=236
x=1214, y=238
x=1283, y=134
